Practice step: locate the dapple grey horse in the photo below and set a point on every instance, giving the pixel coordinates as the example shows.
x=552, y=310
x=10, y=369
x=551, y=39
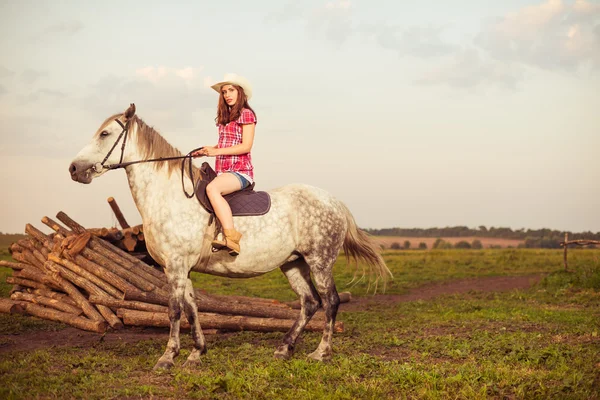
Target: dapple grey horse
x=302, y=233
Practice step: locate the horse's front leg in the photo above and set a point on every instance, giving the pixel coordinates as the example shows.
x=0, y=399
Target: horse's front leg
x=176, y=303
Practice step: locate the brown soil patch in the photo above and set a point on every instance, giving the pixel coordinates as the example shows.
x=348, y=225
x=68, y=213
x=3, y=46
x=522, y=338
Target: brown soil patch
x=72, y=337
x=387, y=241
x=486, y=284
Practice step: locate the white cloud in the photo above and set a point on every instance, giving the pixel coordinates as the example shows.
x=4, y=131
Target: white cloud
x=469, y=68
x=416, y=41
x=552, y=35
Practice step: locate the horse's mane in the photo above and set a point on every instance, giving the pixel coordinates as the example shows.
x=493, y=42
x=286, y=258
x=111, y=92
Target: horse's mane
x=152, y=145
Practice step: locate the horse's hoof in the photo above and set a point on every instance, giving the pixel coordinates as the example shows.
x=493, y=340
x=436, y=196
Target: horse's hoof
x=318, y=356
x=193, y=359
x=163, y=366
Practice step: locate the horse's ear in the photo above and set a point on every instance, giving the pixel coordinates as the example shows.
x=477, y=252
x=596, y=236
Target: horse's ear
x=130, y=112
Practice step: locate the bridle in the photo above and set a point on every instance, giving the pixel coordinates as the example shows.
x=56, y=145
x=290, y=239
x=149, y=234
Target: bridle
x=98, y=167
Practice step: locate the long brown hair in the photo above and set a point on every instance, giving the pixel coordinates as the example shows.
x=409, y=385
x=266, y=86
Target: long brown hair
x=225, y=114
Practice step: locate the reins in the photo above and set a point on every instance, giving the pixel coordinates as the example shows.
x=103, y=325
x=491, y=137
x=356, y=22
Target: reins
x=100, y=166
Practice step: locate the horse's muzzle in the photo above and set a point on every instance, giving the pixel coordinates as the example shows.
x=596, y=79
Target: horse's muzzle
x=80, y=172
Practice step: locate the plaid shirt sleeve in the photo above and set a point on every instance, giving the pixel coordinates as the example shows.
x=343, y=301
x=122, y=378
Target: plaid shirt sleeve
x=246, y=117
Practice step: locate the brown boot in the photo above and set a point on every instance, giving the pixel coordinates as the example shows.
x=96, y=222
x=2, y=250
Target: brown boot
x=231, y=242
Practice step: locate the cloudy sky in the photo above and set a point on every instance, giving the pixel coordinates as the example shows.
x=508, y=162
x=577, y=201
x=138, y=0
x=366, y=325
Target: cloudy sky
x=415, y=114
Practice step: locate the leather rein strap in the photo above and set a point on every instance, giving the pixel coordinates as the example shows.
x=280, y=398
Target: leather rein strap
x=100, y=166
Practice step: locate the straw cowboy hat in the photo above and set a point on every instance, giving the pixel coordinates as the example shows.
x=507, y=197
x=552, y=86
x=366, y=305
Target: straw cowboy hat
x=234, y=79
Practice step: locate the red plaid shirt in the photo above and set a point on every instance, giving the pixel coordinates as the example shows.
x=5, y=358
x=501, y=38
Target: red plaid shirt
x=230, y=135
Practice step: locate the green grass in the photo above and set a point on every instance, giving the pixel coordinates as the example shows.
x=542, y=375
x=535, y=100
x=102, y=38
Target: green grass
x=536, y=344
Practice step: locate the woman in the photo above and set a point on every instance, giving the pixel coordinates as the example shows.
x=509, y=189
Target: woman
x=235, y=121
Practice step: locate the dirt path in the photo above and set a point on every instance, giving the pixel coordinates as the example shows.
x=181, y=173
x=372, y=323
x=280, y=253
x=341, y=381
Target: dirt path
x=72, y=337
x=487, y=284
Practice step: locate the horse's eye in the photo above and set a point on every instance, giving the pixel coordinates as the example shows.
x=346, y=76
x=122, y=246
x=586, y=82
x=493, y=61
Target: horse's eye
x=104, y=133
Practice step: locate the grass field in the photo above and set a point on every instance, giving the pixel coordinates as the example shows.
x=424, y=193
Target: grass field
x=538, y=343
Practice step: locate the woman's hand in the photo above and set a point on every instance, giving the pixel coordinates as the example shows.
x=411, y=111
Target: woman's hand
x=206, y=151
x=210, y=151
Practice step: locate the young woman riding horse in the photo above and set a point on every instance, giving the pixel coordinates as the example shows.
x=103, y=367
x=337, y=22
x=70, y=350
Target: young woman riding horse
x=301, y=234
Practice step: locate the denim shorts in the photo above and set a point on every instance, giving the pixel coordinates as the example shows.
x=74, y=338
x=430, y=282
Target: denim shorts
x=243, y=181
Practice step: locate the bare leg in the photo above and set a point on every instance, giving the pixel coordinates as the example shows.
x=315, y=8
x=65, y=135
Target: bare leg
x=191, y=312
x=175, y=307
x=298, y=274
x=223, y=184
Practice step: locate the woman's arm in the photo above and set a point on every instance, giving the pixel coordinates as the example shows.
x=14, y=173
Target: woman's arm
x=242, y=148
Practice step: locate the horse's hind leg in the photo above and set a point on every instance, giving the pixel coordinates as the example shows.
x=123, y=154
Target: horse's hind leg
x=175, y=307
x=191, y=312
x=330, y=301
x=298, y=274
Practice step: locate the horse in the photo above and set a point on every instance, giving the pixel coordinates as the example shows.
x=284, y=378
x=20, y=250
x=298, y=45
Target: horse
x=302, y=233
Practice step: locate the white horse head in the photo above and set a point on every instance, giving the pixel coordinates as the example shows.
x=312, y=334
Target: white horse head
x=104, y=148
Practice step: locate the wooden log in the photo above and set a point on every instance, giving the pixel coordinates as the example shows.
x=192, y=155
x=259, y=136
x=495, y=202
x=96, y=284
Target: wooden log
x=15, y=248
x=82, y=266
x=56, y=226
x=27, y=257
x=205, y=304
x=240, y=299
x=128, y=261
x=73, y=292
x=117, y=211
x=136, y=273
x=69, y=319
x=132, y=305
x=128, y=280
x=53, y=295
x=110, y=317
x=216, y=321
x=106, y=287
x=129, y=240
x=147, y=297
x=13, y=280
x=17, y=288
x=74, y=278
x=95, y=243
x=345, y=297
x=89, y=287
x=47, y=301
x=8, y=306
x=17, y=266
x=111, y=235
x=36, y=275
x=28, y=244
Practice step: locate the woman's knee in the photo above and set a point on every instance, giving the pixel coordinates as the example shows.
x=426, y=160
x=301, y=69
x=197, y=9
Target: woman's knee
x=213, y=190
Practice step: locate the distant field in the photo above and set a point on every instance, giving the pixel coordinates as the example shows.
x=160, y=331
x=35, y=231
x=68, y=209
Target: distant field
x=387, y=241
x=7, y=239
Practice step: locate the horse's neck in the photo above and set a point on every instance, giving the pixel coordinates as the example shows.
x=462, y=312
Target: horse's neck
x=154, y=189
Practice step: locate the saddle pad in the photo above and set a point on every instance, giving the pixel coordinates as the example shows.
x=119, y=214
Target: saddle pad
x=244, y=202
x=249, y=203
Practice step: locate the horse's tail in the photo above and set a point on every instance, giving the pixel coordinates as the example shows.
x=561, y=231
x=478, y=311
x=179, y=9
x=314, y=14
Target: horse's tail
x=358, y=245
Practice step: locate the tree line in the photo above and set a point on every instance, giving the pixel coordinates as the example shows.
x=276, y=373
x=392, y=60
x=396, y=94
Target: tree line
x=532, y=238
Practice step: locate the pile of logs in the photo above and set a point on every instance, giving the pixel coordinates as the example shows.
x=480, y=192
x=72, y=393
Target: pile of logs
x=76, y=277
